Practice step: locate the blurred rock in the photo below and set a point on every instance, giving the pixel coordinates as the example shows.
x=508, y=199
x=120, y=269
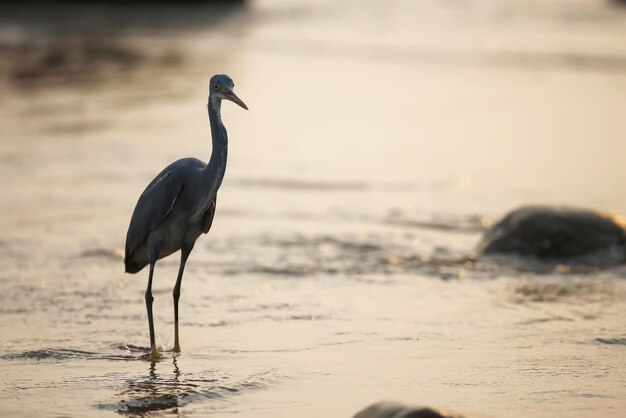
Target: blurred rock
x=398, y=410
x=556, y=233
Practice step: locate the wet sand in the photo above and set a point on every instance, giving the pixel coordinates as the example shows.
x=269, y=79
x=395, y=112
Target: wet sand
x=382, y=139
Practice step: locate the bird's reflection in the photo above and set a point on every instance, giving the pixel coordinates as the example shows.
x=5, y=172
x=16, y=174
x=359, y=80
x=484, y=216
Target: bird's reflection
x=155, y=393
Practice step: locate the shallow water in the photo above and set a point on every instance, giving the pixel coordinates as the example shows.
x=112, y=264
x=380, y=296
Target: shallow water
x=383, y=138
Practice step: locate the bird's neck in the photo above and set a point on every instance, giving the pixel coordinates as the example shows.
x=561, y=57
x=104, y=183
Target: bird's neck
x=217, y=164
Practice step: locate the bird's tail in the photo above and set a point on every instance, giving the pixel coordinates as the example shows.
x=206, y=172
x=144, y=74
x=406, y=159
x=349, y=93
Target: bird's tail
x=132, y=267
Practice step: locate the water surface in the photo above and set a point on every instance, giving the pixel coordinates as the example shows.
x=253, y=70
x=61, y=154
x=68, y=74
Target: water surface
x=383, y=138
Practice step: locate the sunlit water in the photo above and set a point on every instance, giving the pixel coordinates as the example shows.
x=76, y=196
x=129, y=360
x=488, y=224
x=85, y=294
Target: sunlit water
x=382, y=138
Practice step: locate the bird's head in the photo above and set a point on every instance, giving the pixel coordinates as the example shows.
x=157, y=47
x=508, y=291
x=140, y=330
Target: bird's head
x=221, y=87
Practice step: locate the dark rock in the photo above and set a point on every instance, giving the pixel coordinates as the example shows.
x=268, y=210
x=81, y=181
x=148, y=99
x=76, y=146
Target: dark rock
x=398, y=410
x=556, y=233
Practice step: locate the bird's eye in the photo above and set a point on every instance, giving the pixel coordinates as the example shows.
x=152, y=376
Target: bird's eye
x=215, y=87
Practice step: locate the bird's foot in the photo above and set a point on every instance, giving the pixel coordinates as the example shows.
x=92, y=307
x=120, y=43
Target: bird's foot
x=153, y=355
x=176, y=348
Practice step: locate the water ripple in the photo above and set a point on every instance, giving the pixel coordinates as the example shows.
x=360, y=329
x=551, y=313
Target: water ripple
x=159, y=393
x=611, y=341
x=63, y=354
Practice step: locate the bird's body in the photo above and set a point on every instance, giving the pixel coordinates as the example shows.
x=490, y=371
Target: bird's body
x=179, y=205
x=184, y=183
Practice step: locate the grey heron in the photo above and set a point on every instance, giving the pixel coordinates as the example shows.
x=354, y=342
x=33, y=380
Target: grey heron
x=178, y=206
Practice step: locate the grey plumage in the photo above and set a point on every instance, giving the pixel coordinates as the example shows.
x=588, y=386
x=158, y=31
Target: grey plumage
x=179, y=205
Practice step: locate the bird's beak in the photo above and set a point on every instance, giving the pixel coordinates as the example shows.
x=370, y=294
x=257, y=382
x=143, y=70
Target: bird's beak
x=233, y=98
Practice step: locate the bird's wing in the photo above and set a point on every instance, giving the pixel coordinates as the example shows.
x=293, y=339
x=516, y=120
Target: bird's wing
x=207, y=221
x=153, y=206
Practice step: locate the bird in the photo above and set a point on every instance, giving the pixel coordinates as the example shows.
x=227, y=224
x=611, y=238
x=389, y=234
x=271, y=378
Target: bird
x=178, y=205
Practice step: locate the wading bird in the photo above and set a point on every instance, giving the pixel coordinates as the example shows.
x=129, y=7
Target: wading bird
x=179, y=205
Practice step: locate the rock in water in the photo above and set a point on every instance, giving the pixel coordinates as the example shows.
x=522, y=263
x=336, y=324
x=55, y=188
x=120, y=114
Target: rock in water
x=398, y=410
x=556, y=233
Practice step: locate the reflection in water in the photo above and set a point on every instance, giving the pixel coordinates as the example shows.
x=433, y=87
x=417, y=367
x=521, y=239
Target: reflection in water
x=172, y=388
x=154, y=393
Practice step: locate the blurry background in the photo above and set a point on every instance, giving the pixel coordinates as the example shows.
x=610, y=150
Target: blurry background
x=382, y=135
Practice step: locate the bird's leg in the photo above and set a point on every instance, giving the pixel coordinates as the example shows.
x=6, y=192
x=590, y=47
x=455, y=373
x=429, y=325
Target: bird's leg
x=154, y=353
x=184, y=254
